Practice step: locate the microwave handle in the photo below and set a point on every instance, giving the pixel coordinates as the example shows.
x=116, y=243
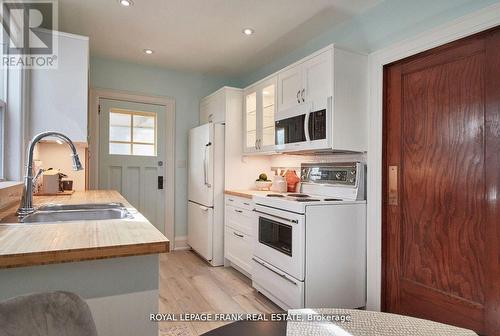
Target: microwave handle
x=306, y=125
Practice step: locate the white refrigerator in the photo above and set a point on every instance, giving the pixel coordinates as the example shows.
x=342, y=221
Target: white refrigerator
x=206, y=192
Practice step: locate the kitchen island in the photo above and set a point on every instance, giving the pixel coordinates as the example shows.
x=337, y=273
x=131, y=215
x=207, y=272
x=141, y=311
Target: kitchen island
x=113, y=264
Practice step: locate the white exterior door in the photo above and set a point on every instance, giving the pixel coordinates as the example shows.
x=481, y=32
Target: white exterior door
x=132, y=154
x=289, y=88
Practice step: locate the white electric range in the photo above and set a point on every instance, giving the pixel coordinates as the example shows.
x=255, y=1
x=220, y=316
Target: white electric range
x=310, y=248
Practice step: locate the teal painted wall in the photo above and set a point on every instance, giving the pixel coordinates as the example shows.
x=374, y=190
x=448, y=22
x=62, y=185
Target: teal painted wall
x=185, y=88
x=376, y=28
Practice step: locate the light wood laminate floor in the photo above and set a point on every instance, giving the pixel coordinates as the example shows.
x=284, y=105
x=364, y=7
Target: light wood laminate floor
x=190, y=285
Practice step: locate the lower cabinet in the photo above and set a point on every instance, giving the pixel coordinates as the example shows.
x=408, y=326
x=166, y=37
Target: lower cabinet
x=238, y=249
x=239, y=229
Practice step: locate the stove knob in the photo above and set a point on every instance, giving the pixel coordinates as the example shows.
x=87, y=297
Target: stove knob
x=338, y=175
x=353, y=172
x=352, y=180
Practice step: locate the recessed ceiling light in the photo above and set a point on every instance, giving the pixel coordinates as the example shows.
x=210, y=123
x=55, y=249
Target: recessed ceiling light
x=148, y=51
x=248, y=31
x=126, y=3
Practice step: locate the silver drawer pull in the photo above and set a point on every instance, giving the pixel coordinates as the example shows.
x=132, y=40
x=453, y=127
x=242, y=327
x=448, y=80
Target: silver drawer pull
x=278, y=217
x=246, y=203
x=238, y=211
x=275, y=272
x=230, y=200
x=238, y=235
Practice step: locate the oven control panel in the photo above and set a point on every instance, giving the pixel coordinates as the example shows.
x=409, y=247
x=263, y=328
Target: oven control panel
x=331, y=173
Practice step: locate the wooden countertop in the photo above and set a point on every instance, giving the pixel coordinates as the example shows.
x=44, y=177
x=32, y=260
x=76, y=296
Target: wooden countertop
x=247, y=193
x=47, y=243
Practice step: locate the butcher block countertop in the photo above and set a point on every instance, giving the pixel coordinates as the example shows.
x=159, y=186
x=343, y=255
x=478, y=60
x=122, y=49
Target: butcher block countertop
x=47, y=243
x=248, y=193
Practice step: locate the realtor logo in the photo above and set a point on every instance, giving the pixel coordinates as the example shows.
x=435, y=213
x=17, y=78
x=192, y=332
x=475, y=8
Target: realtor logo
x=28, y=38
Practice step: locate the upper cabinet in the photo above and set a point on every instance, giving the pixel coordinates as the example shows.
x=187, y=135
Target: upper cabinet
x=59, y=97
x=290, y=87
x=317, y=83
x=320, y=105
x=306, y=84
x=212, y=108
x=259, y=110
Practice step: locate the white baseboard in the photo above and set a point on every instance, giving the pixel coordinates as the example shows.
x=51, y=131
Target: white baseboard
x=180, y=243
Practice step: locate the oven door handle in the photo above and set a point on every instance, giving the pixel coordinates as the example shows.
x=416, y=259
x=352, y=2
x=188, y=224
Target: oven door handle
x=278, y=217
x=283, y=275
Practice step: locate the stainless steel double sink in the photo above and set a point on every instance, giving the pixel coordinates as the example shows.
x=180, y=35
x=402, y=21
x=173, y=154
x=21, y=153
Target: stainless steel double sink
x=77, y=212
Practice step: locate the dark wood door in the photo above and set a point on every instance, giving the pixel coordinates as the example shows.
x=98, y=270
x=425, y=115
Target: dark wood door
x=441, y=212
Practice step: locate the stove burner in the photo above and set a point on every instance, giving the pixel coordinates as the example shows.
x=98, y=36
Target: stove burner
x=298, y=195
x=307, y=200
x=274, y=195
x=332, y=199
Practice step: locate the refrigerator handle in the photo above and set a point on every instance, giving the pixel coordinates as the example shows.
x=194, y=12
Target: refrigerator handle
x=205, y=165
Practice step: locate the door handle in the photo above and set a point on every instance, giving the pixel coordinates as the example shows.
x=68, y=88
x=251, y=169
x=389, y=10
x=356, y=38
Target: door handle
x=306, y=126
x=298, y=99
x=392, y=185
x=275, y=272
x=302, y=94
x=205, y=165
x=160, y=182
x=238, y=235
x=278, y=217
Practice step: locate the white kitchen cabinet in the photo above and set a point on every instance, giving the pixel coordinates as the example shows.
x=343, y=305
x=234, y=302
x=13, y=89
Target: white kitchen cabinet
x=324, y=94
x=59, y=97
x=238, y=248
x=306, y=84
x=260, y=102
x=212, y=108
x=239, y=232
x=289, y=87
x=317, y=80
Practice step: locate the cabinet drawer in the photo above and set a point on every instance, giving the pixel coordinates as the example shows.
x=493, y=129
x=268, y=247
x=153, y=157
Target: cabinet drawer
x=238, y=248
x=284, y=290
x=240, y=219
x=239, y=202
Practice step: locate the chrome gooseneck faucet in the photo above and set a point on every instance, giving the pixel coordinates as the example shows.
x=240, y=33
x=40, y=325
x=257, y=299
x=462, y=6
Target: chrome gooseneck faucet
x=26, y=206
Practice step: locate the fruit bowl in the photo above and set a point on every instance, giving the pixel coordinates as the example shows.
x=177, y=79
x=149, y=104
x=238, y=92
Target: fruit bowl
x=263, y=185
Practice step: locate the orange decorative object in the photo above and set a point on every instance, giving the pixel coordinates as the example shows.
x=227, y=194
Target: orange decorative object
x=291, y=180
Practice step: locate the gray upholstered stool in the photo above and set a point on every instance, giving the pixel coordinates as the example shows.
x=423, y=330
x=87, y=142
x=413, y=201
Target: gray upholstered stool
x=46, y=314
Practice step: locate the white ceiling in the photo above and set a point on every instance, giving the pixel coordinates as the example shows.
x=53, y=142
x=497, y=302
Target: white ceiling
x=203, y=35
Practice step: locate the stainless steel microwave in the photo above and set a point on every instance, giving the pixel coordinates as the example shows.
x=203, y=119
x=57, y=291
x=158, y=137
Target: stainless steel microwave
x=303, y=129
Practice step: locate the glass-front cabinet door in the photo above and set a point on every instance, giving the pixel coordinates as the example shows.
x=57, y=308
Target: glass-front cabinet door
x=250, y=121
x=259, y=117
x=268, y=107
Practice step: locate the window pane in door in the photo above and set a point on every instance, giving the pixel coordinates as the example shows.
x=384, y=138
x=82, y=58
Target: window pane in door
x=144, y=129
x=119, y=148
x=120, y=127
x=144, y=150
